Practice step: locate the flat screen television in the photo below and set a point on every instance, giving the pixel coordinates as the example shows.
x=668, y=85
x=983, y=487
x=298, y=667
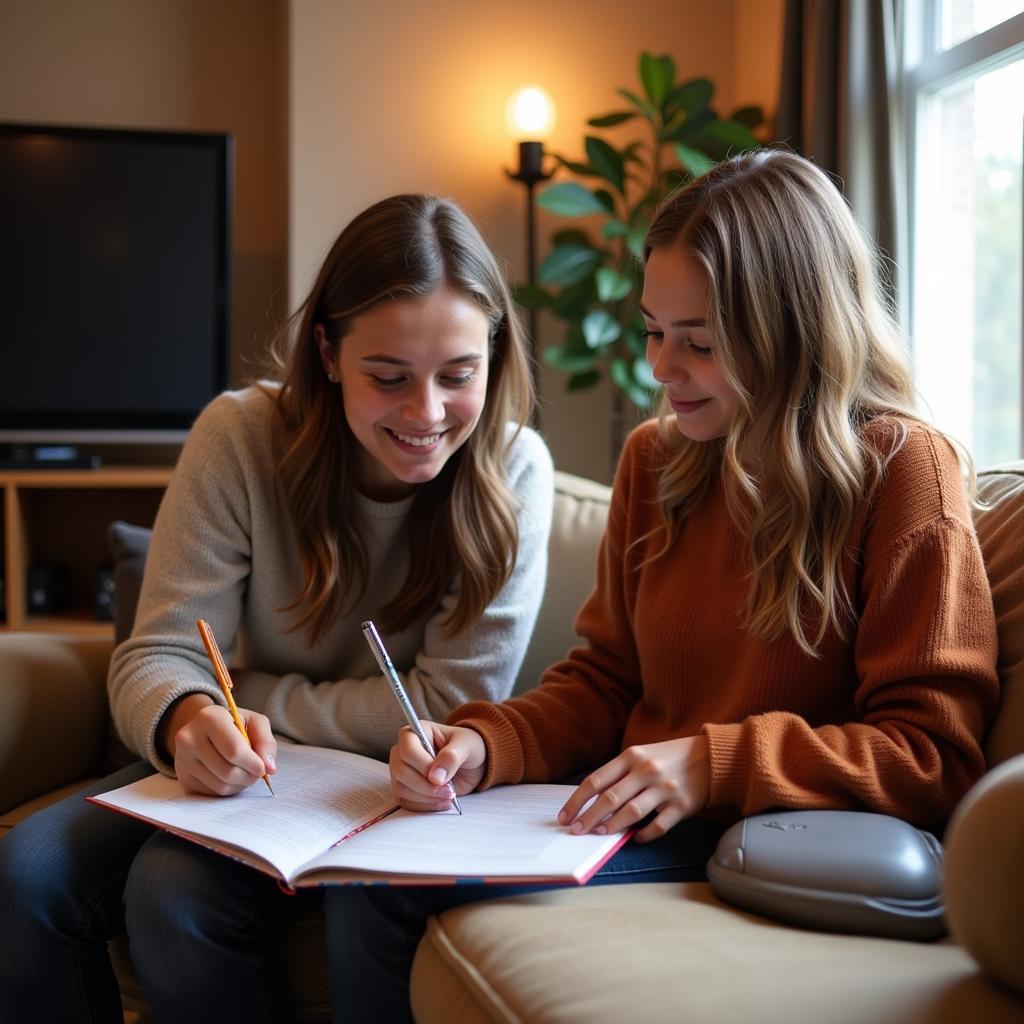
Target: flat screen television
x=115, y=288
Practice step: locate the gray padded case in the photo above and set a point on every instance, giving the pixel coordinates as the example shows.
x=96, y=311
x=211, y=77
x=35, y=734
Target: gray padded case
x=843, y=871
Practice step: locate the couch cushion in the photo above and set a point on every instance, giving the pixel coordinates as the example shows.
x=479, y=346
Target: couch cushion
x=1001, y=534
x=53, y=708
x=672, y=952
x=580, y=514
x=11, y=817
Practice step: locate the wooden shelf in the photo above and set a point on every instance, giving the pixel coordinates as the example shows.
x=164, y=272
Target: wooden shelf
x=59, y=517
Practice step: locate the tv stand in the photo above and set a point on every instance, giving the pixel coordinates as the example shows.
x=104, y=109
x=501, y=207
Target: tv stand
x=58, y=518
x=46, y=456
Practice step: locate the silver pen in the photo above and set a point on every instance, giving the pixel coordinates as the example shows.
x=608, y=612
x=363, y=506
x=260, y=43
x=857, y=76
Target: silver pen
x=384, y=661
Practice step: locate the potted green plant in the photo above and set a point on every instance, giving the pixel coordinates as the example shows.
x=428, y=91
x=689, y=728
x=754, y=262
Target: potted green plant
x=590, y=280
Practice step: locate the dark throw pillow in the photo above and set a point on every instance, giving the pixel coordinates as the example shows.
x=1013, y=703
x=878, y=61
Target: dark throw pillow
x=129, y=546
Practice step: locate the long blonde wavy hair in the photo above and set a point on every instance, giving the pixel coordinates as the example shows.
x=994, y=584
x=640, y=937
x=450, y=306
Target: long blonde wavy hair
x=800, y=332
x=462, y=527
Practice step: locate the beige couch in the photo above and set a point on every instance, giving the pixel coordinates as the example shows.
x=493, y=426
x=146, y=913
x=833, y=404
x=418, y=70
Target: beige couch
x=635, y=952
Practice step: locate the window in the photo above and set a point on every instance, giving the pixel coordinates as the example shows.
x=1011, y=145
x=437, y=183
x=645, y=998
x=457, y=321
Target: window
x=965, y=93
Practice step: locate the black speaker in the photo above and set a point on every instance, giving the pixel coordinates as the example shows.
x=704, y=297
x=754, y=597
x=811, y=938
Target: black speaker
x=48, y=589
x=105, y=593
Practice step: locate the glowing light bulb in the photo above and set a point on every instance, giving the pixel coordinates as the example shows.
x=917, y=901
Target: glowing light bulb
x=530, y=114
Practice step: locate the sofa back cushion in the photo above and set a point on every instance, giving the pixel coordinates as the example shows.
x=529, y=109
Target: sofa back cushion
x=1000, y=529
x=577, y=525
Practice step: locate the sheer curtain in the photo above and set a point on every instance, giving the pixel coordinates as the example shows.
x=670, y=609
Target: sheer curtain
x=839, y=106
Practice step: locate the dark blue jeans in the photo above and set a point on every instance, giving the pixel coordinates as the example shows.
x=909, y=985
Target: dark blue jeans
x=373, y=931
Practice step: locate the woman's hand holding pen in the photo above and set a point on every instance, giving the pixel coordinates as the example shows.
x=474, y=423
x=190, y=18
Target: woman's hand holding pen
x=670, y=779
x=424, y=783
x=210, y=755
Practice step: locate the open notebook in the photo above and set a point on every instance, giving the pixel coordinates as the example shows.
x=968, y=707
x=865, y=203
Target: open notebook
x=334, y=820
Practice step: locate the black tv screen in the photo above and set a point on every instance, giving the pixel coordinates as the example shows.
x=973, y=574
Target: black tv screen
x=114, y=280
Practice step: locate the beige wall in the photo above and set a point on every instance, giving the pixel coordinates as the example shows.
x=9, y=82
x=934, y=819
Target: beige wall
x=201, y=65
x=408, y=95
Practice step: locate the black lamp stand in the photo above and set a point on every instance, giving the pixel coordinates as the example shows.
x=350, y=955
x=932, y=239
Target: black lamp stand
x=530, y=172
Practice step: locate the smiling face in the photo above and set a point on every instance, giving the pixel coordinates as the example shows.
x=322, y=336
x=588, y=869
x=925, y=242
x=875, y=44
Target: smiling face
x=413, y=377
x=679, y=347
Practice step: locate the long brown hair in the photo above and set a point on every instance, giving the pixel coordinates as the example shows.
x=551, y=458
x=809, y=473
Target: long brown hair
x=800, y=332
x=462, y=526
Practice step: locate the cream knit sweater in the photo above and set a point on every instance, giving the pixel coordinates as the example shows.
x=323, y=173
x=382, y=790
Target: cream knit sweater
x=223, y=550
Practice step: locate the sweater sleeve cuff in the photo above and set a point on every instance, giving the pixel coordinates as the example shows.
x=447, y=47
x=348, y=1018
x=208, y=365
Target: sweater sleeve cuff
x=729, y=766
x=504, y=749
x=152, y=751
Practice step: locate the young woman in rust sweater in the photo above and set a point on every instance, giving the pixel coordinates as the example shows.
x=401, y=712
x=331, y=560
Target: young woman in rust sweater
x=791, y=608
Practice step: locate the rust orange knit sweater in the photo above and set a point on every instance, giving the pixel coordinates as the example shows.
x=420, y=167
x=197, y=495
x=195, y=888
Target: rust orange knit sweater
x=889, y=720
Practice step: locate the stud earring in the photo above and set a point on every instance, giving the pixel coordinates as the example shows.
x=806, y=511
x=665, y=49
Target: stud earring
x=332, y=378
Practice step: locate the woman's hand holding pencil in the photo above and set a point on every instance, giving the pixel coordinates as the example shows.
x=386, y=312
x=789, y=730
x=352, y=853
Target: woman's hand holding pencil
x=217, y=752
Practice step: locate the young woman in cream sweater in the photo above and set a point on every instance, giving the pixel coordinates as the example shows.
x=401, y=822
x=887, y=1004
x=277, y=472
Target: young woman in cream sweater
x=387, y=473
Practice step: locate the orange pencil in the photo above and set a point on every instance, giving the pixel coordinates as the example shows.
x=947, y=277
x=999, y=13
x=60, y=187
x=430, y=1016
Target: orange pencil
x=220, y=670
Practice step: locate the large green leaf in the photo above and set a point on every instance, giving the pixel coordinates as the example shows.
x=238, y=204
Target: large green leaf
x=645, y=108
x=606, y=160
x=568, y=264
x=672, y=125
x=692, y=96
x=568, y=362
x=640, y=398
x=608, y=120
x=635, y=241
x=600, y=328
x=622, y=373
x=696, y=162
x=691, y=128
x=570, y=199
x=657, y=75
x=611, y=285
x=734, y=135
x=643, y=375
x=584, y=170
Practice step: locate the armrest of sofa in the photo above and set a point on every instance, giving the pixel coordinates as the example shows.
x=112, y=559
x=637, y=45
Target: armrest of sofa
x=984, y=854
x=53, y=712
